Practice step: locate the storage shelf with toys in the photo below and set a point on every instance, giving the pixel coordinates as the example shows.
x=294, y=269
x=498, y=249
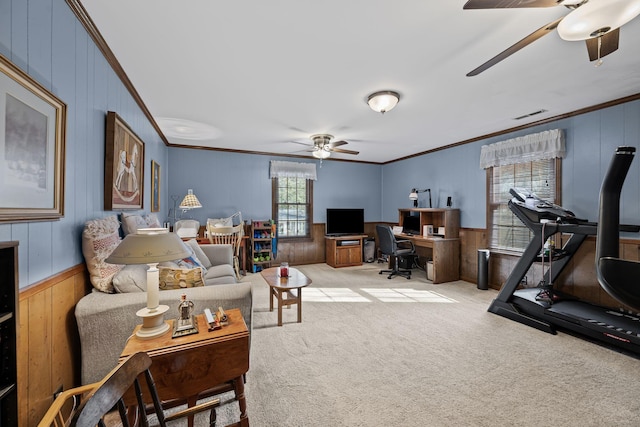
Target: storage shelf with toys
x=262, y=234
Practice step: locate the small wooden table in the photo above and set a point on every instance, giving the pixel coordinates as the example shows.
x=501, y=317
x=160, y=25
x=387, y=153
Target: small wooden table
x=189, y=366
x=286, y=290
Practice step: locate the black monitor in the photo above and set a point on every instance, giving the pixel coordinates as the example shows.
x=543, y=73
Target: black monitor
x=411, y=224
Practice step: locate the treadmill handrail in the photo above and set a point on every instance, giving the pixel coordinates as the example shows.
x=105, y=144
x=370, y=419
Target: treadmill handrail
x=618, y=277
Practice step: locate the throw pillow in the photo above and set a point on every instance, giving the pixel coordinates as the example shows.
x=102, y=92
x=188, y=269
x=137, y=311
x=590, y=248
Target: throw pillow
x=180, y=278
x=131, y=222
x=132, y=278
x=191, y=262
x=99, y=238
x=152, y=221
x=199, y=253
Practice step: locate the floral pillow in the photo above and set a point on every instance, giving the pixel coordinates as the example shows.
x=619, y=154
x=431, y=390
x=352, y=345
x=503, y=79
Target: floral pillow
x=99, y=238
x=180, y=278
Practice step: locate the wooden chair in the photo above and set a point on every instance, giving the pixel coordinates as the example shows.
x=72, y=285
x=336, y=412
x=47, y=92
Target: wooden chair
x=86, y=406
x=228, y=236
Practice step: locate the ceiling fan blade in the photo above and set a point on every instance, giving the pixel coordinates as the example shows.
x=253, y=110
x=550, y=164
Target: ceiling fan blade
x=338, y=143
x=302, y=143
x=608, y=44
x=508, y=4
x=343, y=151
x=542, y=31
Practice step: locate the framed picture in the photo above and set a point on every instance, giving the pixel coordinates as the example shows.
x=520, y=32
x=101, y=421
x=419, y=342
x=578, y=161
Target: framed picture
x=32, y=144
x=124, y=166
x=155, y=186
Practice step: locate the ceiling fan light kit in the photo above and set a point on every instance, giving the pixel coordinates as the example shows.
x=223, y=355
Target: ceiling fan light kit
x=597, y=22
x=596, y=18
x=383, y=101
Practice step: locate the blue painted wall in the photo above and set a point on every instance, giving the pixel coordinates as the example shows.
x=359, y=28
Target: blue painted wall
x=45, y=40
x=229, y=182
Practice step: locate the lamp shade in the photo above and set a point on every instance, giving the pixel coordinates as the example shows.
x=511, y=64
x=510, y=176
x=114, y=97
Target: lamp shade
x=413, y=195
x=190, y=201
x=383, y=101
x=596, y=18
x=149, y=245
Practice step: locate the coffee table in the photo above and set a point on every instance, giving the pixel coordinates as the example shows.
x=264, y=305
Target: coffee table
x=286, y=290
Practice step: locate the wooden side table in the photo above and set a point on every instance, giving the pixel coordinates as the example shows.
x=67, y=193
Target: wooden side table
x=286, y=290
x=189, y=366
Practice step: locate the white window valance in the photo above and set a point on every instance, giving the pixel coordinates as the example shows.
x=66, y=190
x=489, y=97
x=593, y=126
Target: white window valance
x=279, y=169
x=537, y=146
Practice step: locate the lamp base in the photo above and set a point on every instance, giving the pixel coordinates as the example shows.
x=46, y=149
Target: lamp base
x=153, y=324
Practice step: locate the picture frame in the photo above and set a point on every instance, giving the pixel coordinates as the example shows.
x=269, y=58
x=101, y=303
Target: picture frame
x=32, y=148
x=124, y=166
x=155, y=186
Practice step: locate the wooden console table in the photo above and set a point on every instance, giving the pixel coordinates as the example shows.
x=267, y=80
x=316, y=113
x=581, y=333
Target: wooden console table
x=188, y=367
x=344, y=251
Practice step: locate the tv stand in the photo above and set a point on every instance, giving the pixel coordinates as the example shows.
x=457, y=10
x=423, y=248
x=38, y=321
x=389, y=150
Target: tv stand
x=344, y=251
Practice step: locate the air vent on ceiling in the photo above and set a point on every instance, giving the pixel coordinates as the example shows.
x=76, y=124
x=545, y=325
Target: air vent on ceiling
x=530, y=114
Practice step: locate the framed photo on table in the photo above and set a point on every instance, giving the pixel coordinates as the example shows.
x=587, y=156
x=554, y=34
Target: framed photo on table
x=155, y=186
x=32, y=148
x=124, y=166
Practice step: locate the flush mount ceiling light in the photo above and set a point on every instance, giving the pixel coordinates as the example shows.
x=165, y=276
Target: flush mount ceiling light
x=383, y=101
x=596, y=18
x=187, y=129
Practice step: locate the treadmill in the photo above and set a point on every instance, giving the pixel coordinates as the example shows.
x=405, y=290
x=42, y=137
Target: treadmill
x=546, y=309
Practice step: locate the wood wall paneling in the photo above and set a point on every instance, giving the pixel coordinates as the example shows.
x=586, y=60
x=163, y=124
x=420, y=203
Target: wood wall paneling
x=48, y=348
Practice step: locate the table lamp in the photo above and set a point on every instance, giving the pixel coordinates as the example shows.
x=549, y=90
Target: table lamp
x=150, y=246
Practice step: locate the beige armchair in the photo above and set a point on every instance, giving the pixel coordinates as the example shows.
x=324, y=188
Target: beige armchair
x=187, y=228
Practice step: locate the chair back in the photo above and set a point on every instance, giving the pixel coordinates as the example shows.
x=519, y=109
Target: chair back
x=110, y=391
x=386, y=240
x=187, y=228
x=228, y=236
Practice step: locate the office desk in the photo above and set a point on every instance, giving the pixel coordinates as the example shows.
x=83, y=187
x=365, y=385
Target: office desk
x=444, y=252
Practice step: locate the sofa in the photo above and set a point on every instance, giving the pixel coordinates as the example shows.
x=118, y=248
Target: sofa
x=107, y=316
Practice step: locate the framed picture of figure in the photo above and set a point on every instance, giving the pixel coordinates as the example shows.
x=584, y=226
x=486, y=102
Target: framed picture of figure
x=32, y=148
x=155, y=186
x=124, y=166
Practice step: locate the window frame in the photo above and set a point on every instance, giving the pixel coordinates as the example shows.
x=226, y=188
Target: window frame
x=491, y=206
x=309, y=204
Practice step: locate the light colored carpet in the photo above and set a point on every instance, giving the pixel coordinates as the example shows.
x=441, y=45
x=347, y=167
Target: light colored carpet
x=377, y=352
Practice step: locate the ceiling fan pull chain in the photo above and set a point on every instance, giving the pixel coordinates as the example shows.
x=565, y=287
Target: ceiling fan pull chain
x=599, y=61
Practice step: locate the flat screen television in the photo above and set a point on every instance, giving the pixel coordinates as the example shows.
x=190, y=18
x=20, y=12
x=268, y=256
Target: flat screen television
x=341, y=222
x=411, y=224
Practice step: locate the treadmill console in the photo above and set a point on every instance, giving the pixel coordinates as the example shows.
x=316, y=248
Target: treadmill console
x=538, y=209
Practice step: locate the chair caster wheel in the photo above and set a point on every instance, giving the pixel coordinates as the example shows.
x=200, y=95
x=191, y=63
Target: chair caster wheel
x=380, y=272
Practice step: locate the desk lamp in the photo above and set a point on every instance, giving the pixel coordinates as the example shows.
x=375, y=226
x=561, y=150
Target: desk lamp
x=150, y=246
x=414, y=196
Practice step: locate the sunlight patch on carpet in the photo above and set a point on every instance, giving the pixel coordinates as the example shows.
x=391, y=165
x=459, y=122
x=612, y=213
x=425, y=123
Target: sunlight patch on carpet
x=333, y=295
x=407, y=295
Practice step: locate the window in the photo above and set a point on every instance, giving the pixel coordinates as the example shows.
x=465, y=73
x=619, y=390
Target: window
x=532, y=162
x=542, y=177
x=292, y=206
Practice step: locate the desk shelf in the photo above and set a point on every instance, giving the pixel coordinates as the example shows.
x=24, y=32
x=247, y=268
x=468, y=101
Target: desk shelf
x=444, y=252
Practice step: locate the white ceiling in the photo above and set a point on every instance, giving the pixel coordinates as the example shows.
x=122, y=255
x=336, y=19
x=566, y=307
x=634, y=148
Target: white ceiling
x=266, y=73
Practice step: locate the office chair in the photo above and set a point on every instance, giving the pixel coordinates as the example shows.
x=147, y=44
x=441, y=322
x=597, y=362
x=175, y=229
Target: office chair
x=394, y=248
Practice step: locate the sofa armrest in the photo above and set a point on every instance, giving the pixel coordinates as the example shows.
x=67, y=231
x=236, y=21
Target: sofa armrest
x=106, y=321
x=218, y=254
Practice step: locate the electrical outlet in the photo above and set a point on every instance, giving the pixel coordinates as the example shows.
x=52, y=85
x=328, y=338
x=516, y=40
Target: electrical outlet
x=524, y=282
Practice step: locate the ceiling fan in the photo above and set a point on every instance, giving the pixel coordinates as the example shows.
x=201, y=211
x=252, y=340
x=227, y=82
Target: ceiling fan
x=323, y=147
x=597, y=22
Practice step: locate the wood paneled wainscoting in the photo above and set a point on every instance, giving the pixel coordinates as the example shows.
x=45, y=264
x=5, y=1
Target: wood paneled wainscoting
x=48, y=343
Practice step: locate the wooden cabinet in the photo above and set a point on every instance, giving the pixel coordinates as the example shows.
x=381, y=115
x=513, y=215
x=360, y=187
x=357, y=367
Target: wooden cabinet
x=444, y=250
x=8, y=333
x=344, y=251
x=262, y=233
